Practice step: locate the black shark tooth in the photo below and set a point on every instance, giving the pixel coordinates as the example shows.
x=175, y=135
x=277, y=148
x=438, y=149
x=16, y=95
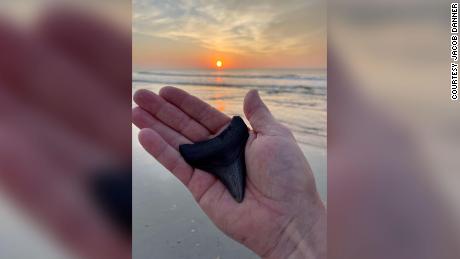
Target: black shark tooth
x=111, y=190
x=222, y=156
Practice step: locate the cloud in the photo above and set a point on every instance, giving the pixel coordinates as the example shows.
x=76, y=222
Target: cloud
x=241, y=27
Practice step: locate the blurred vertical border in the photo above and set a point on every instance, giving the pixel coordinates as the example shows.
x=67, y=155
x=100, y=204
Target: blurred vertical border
x=393, y=143
x=65, y=129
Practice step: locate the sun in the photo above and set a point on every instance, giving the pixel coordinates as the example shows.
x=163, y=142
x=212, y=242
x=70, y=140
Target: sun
x=219, y=63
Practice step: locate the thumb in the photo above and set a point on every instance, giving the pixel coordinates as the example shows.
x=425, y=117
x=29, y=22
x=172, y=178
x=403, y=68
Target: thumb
x=257, y=112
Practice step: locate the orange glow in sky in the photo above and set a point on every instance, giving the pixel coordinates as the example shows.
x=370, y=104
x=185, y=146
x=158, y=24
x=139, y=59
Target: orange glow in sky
x=185, y=39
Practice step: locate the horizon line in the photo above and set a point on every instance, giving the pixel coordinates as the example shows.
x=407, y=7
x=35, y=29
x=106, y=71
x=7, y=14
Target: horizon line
x=213, y=69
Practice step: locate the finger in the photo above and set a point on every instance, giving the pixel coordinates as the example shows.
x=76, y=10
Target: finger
x=143, y=119
x=171, y=115
x=202, y=112
x=44, y=78
x=200, y=184
x=197, y=181
x=94, y=43
x=57, y=143
x=165, y=154
x=257, y=112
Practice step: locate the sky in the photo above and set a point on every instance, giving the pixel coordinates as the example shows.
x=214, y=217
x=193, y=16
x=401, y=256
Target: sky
x=243, y=34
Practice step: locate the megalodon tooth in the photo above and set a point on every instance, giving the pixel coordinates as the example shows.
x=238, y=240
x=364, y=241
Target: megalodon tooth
x=111, y=190
x=223, y=156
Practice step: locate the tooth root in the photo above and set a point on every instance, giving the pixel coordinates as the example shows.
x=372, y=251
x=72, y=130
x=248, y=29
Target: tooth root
x=222, y=156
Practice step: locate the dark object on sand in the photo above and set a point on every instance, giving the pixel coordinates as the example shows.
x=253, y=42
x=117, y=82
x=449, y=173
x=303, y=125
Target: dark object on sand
x=111, y=190
x=222, y=156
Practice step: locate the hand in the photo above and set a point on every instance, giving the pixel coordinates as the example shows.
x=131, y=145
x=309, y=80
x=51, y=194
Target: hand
x=281, y=215
x=56, y=88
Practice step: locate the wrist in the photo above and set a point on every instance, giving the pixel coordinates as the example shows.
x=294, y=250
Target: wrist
x=304, y=237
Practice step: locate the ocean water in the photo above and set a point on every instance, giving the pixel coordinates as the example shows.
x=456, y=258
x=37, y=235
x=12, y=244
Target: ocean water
x=167, y=222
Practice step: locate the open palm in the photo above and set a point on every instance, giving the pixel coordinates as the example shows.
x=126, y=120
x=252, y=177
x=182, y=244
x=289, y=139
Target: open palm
x=281, y=205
